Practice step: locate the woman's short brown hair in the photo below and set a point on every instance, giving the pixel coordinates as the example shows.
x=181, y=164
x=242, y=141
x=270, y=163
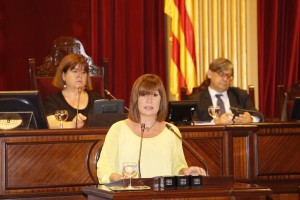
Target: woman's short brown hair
x=147, y=84
x=69, y=62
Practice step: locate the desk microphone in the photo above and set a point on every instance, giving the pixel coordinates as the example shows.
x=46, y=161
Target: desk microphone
x=109, y=94
x=141, y=145
x=79, y=93
x=237, y=110
x=189, y=147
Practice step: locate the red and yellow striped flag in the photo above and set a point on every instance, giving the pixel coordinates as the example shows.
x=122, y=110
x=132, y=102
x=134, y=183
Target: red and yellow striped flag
x=183, y=67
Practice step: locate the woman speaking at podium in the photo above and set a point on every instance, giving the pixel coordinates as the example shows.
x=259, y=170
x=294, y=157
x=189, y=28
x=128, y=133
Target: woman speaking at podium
x=72, y=77
x=143, y=138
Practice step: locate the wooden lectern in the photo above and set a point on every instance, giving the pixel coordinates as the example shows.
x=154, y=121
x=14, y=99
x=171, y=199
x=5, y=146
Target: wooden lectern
x=213, y=187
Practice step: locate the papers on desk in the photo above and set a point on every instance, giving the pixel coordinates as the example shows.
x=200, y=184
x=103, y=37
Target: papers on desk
x=139, y=184
x=202, y=123
x=120, y=188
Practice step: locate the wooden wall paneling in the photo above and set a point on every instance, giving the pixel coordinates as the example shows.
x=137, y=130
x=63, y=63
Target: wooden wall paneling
x=242, y=154
x=210, y=145
x=58, y=161
x=240, y=157
x=226, y=149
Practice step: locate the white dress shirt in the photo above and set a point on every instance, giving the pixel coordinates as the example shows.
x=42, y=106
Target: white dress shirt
x=225, y=99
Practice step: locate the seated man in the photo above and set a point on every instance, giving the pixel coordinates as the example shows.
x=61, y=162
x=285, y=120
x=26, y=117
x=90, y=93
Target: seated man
x=219, y=93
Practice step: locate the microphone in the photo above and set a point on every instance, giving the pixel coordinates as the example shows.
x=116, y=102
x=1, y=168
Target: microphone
x=189, y=147
x=239, y=110
x=141, y=144
x=109, y=94
x=79, y=93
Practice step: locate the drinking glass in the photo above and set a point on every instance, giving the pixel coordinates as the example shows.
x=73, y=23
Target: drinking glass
x=62, y=116
x=214, y=111
x=129, y=169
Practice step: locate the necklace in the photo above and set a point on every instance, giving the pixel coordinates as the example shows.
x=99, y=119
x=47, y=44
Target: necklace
x=148, y=128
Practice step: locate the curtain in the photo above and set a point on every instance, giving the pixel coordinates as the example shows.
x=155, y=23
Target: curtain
x=28, y=29
x=131, y=36
x=222, y=29
x=129, y=33
x=278, y=50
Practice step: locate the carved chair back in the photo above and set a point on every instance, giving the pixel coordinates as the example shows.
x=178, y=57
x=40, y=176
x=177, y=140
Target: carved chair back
x=41, y=76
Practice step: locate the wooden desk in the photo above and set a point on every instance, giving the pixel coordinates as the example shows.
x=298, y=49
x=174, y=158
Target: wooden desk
x=276, y=163
x=264, y=154
x=217, y=189
x=58, y=164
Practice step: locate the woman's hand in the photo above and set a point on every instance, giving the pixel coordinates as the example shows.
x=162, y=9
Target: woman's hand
x=80, y=118
x=115, y=177
x=193, y=170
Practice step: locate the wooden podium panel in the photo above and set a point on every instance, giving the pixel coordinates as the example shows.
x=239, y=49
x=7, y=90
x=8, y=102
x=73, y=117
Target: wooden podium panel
x=263, y=153
x=210, y=143
x=277, y=160
x=43, y=162
x=225, y=149
x=274, y=142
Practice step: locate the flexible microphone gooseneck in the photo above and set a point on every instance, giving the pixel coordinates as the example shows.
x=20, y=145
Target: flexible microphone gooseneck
x=109, y=94
x=141, y=145
x=79, y=93
x=235, y=110
x=190, y=148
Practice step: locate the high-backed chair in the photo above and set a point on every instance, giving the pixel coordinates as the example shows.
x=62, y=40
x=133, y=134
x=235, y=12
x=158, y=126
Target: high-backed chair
x=194, y=93
x=286, y=100
x=281, y=103
x=251, y=92
x=41, y=76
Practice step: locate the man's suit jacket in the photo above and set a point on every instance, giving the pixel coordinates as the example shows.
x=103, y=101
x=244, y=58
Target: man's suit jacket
x=238, y=98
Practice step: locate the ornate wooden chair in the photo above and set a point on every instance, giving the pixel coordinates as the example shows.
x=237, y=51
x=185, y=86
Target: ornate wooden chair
x=41, y=76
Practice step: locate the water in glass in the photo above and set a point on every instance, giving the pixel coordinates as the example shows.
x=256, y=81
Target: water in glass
x=129, y=170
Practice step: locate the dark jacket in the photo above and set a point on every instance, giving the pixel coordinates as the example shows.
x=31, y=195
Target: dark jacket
x=238, y=98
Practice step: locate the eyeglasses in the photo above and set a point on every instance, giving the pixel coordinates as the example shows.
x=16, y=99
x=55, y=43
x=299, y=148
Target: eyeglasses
x=223, y=75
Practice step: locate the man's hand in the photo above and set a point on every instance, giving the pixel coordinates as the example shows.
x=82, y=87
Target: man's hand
x=225, y=118
x=244, y=118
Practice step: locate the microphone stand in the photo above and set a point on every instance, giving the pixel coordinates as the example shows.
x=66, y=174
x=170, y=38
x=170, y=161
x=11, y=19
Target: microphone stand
x=79, y=93
x=140, y=152
x=189, y=147
x=109, y=94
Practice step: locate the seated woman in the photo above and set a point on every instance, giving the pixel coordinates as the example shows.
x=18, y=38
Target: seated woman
x=72, y=77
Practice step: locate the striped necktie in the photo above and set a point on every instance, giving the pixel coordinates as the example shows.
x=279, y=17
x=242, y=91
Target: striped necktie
x=220, y=103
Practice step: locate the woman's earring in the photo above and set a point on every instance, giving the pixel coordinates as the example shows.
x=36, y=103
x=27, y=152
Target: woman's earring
x=65, y=86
